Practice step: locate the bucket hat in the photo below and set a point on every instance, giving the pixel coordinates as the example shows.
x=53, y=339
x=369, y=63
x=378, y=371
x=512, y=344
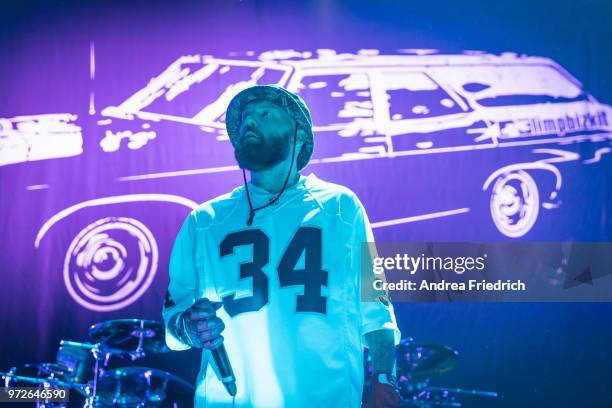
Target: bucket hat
x=291, y=103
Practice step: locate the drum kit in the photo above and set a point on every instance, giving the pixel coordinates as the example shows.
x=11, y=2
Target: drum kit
x=85, y=369
x=416, y=365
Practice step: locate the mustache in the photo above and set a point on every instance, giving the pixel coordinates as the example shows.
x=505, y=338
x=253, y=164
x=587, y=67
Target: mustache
x=252, y=130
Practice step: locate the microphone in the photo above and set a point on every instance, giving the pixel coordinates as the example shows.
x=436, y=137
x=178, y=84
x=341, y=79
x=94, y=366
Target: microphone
x=225, y=373
x=219, y=354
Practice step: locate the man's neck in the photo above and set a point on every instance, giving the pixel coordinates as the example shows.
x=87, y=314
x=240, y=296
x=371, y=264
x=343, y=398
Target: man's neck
x=272, y=179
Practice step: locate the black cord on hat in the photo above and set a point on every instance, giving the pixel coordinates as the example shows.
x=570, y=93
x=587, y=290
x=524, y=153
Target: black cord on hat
x=246, y=186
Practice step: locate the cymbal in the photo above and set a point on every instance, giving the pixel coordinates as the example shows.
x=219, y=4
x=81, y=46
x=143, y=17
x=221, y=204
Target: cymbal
x=418, y=361
x=136, y=336
x=141, y=385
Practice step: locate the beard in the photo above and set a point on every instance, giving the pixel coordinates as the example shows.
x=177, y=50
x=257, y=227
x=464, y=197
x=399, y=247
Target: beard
x=261, y=154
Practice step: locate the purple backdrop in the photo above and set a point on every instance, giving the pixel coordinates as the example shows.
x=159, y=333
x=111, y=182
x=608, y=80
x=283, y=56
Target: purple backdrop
x=112, y=130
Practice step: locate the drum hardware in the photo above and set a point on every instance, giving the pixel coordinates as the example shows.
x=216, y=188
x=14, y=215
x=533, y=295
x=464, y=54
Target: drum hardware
x=84, y=368
x=417, y=364
x=44, y=376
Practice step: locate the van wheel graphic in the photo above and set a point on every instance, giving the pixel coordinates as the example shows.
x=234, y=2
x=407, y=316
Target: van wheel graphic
x=110, y=264
x=515, y=203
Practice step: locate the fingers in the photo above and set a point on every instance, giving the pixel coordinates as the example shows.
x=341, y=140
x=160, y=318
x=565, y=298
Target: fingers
x=203, y=324
x=211, y=344
x=211, y=324
x=209, y=332
x=195, y=314
x=203, y=309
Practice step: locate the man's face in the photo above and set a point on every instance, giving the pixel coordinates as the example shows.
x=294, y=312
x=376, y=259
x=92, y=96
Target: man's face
x=266, y=136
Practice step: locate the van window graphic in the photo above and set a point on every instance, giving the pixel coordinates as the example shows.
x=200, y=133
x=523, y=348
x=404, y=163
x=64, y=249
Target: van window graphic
x=195, y=90
x=337, y=98
x=502, y=85
x=224, y=82
x=414, y=95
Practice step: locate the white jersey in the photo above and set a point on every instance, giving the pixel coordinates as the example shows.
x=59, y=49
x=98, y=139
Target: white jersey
x=290, y=286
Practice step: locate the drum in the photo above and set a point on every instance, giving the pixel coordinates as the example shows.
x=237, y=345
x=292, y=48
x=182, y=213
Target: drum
x=78, y=359
x=142, y=386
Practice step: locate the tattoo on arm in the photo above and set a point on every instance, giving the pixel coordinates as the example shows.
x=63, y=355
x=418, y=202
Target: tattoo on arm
x=382, y=348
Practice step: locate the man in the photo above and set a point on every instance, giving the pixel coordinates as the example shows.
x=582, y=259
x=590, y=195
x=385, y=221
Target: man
x=282, y=254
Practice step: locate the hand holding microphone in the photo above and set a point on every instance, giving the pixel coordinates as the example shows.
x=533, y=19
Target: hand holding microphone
x=202, y=328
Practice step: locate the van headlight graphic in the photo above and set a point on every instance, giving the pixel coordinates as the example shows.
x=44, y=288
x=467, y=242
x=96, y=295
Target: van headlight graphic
x=110, y=263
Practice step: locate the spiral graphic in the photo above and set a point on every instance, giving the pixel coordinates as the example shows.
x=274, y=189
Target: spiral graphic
x=110, y=264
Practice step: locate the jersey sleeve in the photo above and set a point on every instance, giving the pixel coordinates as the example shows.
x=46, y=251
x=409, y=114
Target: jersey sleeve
x=376, y=310
x=183, y=281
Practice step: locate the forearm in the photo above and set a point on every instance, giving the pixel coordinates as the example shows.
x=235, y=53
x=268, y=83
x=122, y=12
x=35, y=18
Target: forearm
x=382, y=349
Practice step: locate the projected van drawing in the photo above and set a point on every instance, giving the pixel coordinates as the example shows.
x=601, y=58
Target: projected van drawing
x=490, y=135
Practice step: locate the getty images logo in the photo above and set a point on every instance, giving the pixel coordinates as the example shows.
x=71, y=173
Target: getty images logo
x=414, y=264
